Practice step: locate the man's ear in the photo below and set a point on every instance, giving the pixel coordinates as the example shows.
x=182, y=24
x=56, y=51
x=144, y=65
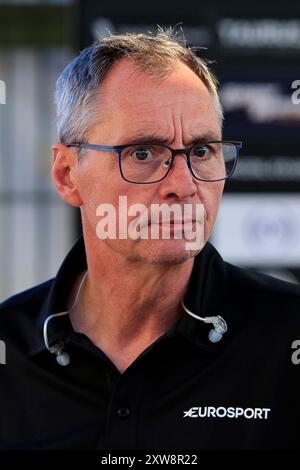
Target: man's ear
x=63, y=169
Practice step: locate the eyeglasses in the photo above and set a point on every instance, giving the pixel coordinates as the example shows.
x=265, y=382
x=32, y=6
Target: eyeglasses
x=149, y=163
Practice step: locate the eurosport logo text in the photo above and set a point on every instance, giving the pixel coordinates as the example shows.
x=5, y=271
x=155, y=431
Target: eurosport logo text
x=2, y=92
x=226, y=412
x=160, y=221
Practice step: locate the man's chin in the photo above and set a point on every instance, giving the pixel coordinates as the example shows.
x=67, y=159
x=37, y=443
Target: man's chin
x=167, y=252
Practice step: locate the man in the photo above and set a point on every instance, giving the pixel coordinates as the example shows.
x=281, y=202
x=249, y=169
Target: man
x=147, y=342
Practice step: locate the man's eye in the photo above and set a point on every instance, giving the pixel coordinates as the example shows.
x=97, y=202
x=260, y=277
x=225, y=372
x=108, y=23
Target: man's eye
x=200, y=151
x=142, y=154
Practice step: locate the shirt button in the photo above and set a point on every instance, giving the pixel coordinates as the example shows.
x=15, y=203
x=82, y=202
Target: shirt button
x=123, y=412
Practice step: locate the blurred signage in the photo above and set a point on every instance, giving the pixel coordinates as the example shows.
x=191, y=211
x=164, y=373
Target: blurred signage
x=101, y=26
x=265, y=169
x=259, y=230
x=262, y=108
x=255, y=34
x=239, y=34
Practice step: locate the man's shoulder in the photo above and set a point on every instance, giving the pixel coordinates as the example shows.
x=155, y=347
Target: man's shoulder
x=259, y=282
x=26, y=299
x=244, y=280
x=264, y=295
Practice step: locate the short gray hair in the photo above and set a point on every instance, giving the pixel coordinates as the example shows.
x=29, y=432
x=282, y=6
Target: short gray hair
x=78, y=86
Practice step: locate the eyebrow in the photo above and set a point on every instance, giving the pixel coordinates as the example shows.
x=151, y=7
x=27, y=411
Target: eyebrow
x=155, y=139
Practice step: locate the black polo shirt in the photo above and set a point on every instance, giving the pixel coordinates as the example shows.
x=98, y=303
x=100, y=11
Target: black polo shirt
x=182, y=392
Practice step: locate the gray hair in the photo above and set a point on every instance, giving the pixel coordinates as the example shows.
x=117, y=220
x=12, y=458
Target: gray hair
x=78, y=86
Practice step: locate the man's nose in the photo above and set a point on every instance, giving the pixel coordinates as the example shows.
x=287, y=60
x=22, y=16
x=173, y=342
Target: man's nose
x=179, y=182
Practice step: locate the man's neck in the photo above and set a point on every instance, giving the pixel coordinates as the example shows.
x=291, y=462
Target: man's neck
x=124, y=310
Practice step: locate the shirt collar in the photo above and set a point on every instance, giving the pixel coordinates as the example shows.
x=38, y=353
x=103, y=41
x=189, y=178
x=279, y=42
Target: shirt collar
x=206, y=296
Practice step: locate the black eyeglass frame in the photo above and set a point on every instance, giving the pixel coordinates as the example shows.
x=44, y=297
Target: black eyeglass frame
x=185, y=151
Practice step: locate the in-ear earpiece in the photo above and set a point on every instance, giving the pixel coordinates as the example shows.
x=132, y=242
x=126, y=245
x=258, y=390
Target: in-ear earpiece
x=62, y=357
x=220, y=326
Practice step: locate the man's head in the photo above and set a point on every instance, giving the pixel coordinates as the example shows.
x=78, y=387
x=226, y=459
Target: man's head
x=130, y=88
x=78, y=90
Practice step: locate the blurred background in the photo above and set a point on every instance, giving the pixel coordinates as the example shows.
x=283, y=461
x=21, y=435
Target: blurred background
x=256, y=51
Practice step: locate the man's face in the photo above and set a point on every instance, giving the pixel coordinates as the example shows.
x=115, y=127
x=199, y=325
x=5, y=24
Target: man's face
x=177, y=111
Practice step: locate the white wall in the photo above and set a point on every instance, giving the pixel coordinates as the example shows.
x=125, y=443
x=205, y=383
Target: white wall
x=36, y=227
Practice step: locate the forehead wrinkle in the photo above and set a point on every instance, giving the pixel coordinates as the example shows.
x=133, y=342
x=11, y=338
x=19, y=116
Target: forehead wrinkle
x=178, y=126
x=154, y=132
x=151, y=129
